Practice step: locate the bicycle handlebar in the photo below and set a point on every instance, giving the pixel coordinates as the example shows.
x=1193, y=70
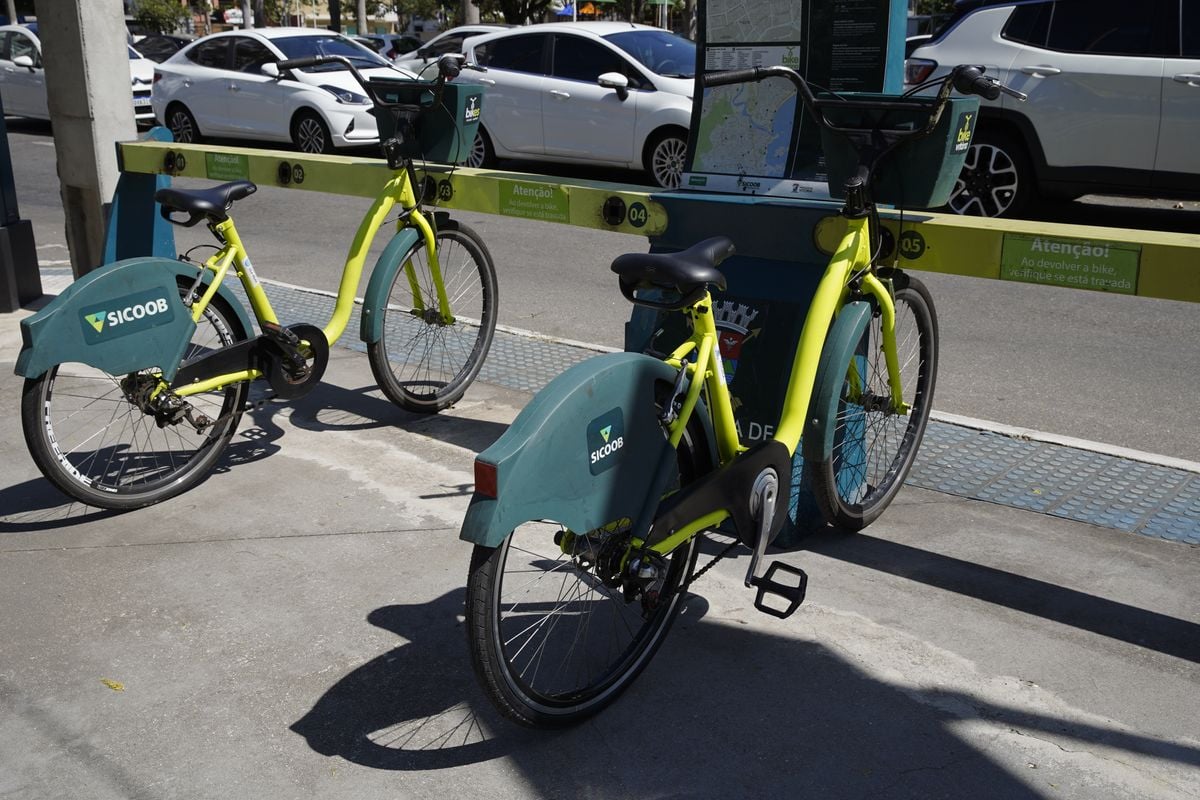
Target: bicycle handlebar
x=966, y=79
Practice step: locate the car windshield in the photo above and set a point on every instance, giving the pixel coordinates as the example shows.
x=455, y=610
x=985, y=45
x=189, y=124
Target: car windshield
x=301, y=46
x=659, y=51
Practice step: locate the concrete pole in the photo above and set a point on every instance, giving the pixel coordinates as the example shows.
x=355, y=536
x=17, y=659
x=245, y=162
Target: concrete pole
x=91, y=108
x=360, y=17
x=11, y=7
x=470, y=12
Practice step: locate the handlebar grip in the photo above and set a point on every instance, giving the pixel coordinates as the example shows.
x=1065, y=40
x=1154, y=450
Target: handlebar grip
x=971, y=80
x=304, y=61
x=986, y=88
x=732, y=76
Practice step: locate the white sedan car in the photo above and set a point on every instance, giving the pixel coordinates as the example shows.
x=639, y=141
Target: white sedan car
x=450, y=41
x=227, y=85
x=587, y=92
x=23, y=81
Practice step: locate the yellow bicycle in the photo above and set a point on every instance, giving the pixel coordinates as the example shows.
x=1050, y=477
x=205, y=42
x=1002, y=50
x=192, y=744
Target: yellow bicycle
x=137, y=375
x=587, y=512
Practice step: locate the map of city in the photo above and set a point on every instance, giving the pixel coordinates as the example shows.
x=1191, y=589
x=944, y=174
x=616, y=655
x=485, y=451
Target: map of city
x=758, y=21
x=746, y=129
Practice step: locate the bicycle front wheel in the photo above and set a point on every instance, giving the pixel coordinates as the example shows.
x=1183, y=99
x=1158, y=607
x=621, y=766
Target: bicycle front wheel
x=555, y=633
x=422, y=362
x=89, y=437
x=873, y=445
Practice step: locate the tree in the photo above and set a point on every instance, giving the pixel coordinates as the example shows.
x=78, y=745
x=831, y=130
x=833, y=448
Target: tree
x=158, y=16
x=935, y=6
x=518, y=12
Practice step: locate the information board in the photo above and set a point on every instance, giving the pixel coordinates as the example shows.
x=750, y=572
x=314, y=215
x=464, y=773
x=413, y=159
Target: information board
x=755, y=138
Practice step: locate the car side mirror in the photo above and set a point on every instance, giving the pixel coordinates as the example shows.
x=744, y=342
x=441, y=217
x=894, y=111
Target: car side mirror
x=423, y=52
x=617, y=81
x=270, y=69
x=24, y=61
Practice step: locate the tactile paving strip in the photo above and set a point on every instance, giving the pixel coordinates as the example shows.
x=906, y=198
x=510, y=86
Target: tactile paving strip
x=1046, y=478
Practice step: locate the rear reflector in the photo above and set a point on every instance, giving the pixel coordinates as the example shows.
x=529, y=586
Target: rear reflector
x=485, y=479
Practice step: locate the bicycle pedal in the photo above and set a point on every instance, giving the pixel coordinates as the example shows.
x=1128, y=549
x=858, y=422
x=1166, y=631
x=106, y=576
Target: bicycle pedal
x=767, y=585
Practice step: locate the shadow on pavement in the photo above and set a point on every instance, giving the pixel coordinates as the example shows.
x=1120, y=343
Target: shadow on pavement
x=721, y=708
x=1087, y=612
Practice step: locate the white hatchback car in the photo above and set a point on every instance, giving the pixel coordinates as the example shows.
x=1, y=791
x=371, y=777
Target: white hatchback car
x=610, y=93
x=23, y=81
x=450, y=41
x=227, y=85
x=1114, y=99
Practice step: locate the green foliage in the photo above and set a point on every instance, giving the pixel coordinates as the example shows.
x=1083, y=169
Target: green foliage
x=935, y=6
x=515, y=12
x=158, y=16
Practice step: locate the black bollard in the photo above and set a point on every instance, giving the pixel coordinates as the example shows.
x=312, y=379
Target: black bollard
x=20, y=281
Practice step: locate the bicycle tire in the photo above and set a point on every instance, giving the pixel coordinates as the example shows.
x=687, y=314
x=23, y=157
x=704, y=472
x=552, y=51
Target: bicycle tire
x=591, y=614
x=874, y=448
x=422, y=364
x=99, y=448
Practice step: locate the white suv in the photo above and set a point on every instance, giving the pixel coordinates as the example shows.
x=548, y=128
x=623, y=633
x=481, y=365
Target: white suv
x=1114, y=98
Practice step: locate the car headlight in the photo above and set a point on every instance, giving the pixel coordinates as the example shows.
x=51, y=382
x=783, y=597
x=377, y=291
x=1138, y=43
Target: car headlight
x=347, y=96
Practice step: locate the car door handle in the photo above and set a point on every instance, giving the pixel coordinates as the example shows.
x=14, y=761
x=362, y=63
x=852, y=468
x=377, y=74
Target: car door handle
x=1191, y=79
x=488, y=81
x=233, y=87
x=563, y=95
x=1041, y=71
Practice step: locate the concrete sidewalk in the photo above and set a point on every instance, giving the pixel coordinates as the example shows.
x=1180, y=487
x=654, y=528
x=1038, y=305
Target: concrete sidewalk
x=292, y=628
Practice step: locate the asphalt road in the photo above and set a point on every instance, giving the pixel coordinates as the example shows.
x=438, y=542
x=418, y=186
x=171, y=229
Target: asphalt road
x=1106, y=368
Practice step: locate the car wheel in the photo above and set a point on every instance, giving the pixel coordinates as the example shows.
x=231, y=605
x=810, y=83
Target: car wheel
x=996, y=180
x=482, y=153
x=665, y=155
x=183, y=125
x=310, y=134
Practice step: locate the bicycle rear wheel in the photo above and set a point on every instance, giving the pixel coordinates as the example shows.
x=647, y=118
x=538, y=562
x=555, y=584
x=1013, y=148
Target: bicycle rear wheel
x=552, y=635
x=874, y=447
x=92, y=441
x=422, y=363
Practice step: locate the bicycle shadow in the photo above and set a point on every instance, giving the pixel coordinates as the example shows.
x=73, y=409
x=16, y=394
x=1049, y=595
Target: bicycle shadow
x=721, y=708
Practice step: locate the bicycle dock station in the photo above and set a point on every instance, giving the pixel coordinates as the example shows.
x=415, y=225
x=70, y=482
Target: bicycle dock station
x=781, y=242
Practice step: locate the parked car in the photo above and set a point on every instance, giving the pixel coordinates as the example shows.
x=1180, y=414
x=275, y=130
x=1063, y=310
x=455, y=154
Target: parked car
x=228, y=85
x=23, y=81
x=450, y=41
x=391, y=45
x=1114, y=99
x=590, y=92
x=159, y=47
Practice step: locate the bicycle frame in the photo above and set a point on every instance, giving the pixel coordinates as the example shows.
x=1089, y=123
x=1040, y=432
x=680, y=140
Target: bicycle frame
x=851, y=260
x=398, y=190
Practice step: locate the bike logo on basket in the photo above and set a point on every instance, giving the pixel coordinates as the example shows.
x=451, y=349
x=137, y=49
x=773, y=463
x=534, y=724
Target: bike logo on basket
x=605, y=438
x=966, y=128
x=473, y=110
x=125, y=315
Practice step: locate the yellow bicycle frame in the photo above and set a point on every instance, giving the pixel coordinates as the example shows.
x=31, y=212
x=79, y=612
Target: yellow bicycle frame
x=398, y=190
x=851, y=259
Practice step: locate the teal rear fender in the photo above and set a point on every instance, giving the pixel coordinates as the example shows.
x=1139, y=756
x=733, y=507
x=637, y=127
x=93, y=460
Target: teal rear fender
x=389, y=264
x=843, y=342
x=582, y=453
x=119, y=318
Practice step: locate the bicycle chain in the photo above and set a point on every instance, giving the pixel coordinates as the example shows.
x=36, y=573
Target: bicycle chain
x=696, y=575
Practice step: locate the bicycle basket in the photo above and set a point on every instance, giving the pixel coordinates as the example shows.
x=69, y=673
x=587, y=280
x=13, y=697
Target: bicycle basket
x=444, y=134
x=918, y=173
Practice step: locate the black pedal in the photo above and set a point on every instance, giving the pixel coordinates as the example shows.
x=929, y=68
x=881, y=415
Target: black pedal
x=794, y=595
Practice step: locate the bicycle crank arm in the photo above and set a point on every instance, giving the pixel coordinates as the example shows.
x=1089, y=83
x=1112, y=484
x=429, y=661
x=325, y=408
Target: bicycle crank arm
x=764, y=505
